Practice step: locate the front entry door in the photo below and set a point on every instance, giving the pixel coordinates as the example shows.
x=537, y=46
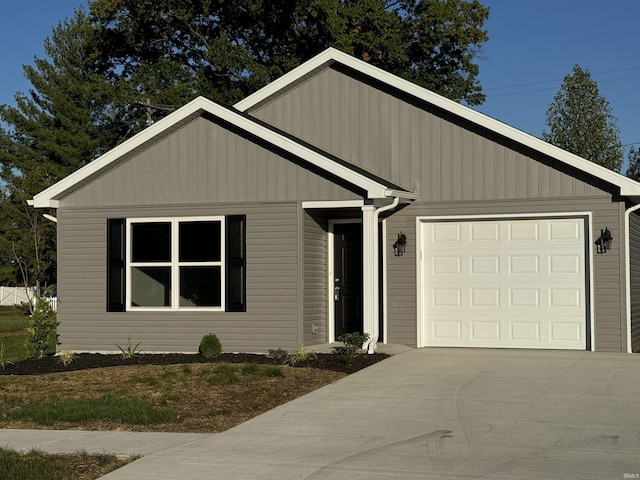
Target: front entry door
x=347, y=282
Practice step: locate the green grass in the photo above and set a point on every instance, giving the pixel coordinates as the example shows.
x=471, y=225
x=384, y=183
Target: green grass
x=13, y=310
x=33, y=465
x=228, y=374
x=224, y=374
x=86, y=410
x=36, y=465
x=12, y=336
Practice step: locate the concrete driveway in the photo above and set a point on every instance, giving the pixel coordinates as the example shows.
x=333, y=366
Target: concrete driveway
x=436, y=413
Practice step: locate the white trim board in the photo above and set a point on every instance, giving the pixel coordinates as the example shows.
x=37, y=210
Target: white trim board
x=174, y=263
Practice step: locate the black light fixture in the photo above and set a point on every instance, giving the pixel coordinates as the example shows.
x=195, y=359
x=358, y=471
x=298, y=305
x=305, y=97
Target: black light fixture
x=400, y=245
x=603, y=243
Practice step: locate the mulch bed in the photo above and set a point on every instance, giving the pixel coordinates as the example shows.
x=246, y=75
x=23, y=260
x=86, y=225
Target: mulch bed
x=84, y=361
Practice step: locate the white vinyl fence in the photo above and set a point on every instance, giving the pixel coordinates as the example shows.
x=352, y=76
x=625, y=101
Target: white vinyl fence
x=20, y=295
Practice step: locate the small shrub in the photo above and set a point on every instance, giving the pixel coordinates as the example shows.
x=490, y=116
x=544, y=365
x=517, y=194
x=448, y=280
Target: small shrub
x=278, y=355
x=42, y=327
x=353, y=341
x=301, y=355
x=210, y=346
x=129, y=350
x=67, y=357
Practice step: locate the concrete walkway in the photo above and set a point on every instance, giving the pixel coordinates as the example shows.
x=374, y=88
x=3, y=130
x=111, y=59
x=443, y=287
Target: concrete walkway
x=433, y=414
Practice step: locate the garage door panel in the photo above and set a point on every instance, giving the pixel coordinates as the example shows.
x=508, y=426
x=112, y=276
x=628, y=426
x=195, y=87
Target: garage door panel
x=524, y=332
x=518, y=283
x=510, y=294
x=564, y=331
x=545, y=264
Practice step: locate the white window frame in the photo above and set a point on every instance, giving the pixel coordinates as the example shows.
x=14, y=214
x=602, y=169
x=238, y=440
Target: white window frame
x=175, y=264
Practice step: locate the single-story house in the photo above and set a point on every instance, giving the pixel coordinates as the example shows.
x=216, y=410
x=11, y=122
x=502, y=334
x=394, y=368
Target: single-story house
x=341, y=198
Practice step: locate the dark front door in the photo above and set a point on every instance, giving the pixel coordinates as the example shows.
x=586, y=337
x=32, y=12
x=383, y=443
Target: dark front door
x=347, y=282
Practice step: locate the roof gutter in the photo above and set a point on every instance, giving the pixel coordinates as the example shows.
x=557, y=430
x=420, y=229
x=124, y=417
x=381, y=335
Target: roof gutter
x=627, y=266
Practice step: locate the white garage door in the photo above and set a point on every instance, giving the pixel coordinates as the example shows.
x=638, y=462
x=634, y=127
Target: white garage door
x=504, y=283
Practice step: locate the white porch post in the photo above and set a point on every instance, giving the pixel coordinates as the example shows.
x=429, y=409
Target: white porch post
x=370, y=275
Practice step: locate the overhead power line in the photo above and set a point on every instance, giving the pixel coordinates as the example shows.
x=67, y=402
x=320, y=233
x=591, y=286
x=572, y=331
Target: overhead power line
x=556, y=81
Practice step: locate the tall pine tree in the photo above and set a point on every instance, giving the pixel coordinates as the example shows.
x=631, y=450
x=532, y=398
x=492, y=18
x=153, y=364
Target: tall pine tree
x=580, y=121
x=633, y=168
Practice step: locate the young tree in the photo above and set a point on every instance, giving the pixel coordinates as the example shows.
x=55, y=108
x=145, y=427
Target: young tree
x=633, y=170
x=580, y=121
x=226, y=50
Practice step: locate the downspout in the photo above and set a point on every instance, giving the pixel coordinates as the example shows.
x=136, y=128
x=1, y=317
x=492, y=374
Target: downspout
x=373, y=335
x=627, y=266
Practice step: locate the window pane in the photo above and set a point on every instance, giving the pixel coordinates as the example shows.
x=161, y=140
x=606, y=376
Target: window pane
x=151, y=242
x=151, y=286
x=200, y=287
x=200, y=241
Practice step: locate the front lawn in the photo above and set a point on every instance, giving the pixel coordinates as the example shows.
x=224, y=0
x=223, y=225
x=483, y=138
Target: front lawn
x=13, y=325
x=202, y=396
x=36, y=465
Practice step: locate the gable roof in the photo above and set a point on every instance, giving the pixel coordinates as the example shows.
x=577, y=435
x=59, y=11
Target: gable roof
x=628, y=187
x=374, y=186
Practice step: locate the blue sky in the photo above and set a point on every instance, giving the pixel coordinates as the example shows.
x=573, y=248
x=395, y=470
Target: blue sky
x=533, y=44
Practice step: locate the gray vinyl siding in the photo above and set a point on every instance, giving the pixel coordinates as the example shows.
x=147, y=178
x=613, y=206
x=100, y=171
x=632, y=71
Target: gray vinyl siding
x=205, y=163
x=271, y=319
x=315, y=278
x=634, y=250
x=608, y=269
x=457, y=168
x=203, y=168
x=415, y=145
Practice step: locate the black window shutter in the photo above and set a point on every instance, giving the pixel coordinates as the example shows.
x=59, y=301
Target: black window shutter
x=235, y=262
x=116, y=264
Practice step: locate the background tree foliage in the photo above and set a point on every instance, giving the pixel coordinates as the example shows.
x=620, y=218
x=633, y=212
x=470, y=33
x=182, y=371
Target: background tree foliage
x=114, y=69
x=580, y=121
x=227, y=49
x=633, y=168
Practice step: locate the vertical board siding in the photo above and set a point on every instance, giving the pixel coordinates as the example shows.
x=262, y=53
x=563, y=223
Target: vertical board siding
x=608, y=269
x=315, y=279
x=203, y=162
x=634, y=250
x=271, y=319
x=415, y=145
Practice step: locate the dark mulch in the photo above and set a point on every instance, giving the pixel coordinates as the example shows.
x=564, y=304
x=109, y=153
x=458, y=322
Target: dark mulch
x=84, y=361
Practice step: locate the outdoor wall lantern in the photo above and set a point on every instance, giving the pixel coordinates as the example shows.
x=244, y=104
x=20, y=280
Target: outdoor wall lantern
x=603, y=243
x=400, y=245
